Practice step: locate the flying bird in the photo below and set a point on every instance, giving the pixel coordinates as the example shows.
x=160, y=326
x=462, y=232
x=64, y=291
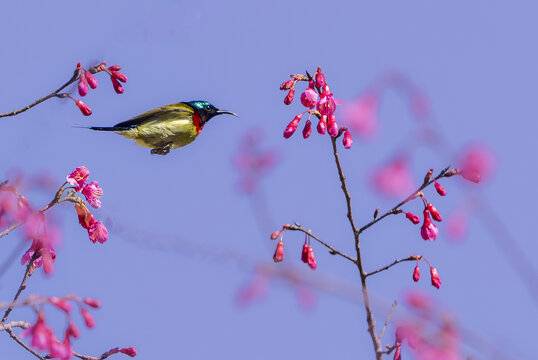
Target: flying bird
x=167, y=127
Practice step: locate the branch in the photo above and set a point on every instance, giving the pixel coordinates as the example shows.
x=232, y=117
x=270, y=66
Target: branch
x=394, y=210
x=29, y=270
x=388, y=319
x=21, y=343
x=409, y=258
x=332, y=250
x=10, y=325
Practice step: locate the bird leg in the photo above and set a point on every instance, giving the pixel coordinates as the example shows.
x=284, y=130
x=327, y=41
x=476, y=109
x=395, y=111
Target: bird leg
x=162, y=150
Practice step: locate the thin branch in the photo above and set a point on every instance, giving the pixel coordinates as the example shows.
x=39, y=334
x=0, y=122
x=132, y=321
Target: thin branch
x=21, y=343
x=394, y=210
x=74, y=78
x=389, y=316
x=12, y=324
x=29, y=270
x=409, y=258
x=332, y=250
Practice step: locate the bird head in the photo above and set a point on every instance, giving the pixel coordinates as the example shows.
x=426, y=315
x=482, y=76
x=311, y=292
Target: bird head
x=207, y=111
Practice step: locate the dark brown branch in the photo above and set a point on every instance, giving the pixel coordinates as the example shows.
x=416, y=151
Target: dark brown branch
x=332, y=250
x=389, y=316
x=409, y=258
x=395, y=209
x=44, y=98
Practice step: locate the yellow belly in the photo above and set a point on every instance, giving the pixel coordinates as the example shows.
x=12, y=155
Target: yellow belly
x=176, y=133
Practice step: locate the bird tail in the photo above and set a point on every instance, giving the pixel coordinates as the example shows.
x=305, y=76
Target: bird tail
x=105, y=128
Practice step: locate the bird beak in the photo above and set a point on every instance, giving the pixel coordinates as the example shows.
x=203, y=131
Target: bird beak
x=220, y=112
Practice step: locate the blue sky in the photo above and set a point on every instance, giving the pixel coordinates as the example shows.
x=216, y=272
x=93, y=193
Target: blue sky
x=475, y=61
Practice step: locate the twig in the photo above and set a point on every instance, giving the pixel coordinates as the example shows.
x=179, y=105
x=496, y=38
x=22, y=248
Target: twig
x=389, y=316
x=12, y=324
x=21, y=343
x=332, y=250
x=409, y=198
x=29, y=270
x=367, y=306
x=44, y=98
x=409, y=258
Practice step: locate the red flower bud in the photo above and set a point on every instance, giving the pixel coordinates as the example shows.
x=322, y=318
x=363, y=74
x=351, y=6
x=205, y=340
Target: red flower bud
x=119, y=76
x=304, y=254
x=414, y=219
x=279, y=252
x=436, y=280
x=117, y=86
x=322, y=125
x=88, y=318
x=435, y=214
x=92, y=81
x=286, y=85
x=129, y=351
x=82, y=85
x=60, y=303
x=94, y=303
x=115, y=68
x=275, y=234
x=347, y=140
x=311, y=259
x=416, y=274
x=85, y=109
x=292, y=126
x=440, y=190
x=307, y=129
x=320, y=78
x=289, y=98
x=332, y=126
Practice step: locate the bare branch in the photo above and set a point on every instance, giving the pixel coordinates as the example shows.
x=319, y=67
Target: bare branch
x=389, y=316
x=409, y=258
x=12, y=324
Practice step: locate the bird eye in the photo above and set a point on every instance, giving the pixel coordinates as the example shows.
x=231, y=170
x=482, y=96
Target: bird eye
x=207, y=107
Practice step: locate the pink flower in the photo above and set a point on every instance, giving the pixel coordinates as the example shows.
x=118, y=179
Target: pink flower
x=398, y=353
x=94, y=303
x=84, y=109
x=40, y=332
x=394, y=179
x=435, y=214
x=92, y=81
x=309, y=98
x=361, y=114
x=82, y=85
x=304, y=253
x=289, y=98
x=436, y=280
x=320, y=78
x=307, y=130
x=61, y=350
x=428, y=231
x=412, y=217
x=78, y=177
x=45, y=256
x=286, y=85
x=311, y=259
x=476, y=163
x=326, y=105
x=98, y=232
x=88, y=318
x=347, y=141
x=440, y=190
x=416, y=274
x=93, y=192
x=254, y=290
x=332, y=126
x=129, y=351
x=73, y=330
x=292, y=126
x=61, y=304
x=456, y=225
x=322, y=125
x=279, y=252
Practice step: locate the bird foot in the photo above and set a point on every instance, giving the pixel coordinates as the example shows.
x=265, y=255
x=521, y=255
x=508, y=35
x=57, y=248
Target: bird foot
x=161, y=151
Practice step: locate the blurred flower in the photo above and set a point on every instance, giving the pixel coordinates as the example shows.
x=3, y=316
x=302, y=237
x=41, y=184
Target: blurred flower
x=88, y=318
x=456, y=225
x=60, y=303
x=394, y=179
x=94, y=303
x=476, y=163
x=254, y=290
x=40, y=333
x=361, y=114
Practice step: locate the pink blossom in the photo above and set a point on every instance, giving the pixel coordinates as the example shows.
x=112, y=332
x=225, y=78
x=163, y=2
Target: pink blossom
x=326, y=105
x=309, y=98
x=304, y=253
x=129, y=351
x=92, y=81
x=286, y=85
x=73, y=330
x=94, y=303
x=289, y=98
x=440, y=190
x=416, y=274
x=456, y=225
x=398, y=353
x=412, y=217
x=347, y=141
x=332, y=126
x=436, y=280
x=307, y=130
x=78, y=177
x=476, y=163
x=40, y=332
x=255, y=289
x=60, y=303
x=428, y=231
x=45, y=256
x=322, y=125
x=82, y=85
x=98, y=232
x=84, y=109
x=93, y=192
x=88, y=318
x=311, y=259
x=320, y=78
x=361, y=114
x=61, y=350
x=279, y=252
x=435, y=214
x=394, y=179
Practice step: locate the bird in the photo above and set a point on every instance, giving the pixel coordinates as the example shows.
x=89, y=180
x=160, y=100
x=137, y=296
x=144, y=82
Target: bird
x=167, y=127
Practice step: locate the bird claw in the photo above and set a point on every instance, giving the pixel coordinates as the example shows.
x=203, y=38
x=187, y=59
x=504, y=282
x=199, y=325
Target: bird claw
x=161, y=151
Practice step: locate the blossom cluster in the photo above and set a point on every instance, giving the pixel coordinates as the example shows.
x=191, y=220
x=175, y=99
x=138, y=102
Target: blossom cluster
x=434, y=276
x=86, y=78
x=307, y=254
x=316, y=96
x=97, y=231
x=42, y=336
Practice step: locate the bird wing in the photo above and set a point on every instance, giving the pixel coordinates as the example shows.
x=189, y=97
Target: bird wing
x=163, y=113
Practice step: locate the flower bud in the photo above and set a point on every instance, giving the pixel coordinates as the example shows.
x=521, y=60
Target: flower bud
x=304, y=253
x=117, y=86
x=114, y=68
x=435, y=214
x=320, y=78
x=311, y=259
x=428, y=176
x=92, y=81
x=440, y=190
x=85, y=109
x=129, y=351
x=436, y=280
x=347, y=141
x=275, y=234
x=279, y=252
x=416, y=274
x=60, y=303
x=322, y=125
x=94, y=303
x=307, y=130
x=286, y=85
x=292, y=126
x=412, y=217
x=88, y=318
x=82, y=85
x=121, y=77
x=332, y=126
x=428, y=231
x=289, y=98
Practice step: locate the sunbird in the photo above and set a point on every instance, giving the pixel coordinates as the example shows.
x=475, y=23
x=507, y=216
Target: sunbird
x=167, y=127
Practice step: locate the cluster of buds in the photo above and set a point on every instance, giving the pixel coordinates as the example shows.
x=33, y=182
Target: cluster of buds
x=307, y=254
x=317, y=96
x=86, y=78
x=97, y=231
x=435, y=279
x=42, y=336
